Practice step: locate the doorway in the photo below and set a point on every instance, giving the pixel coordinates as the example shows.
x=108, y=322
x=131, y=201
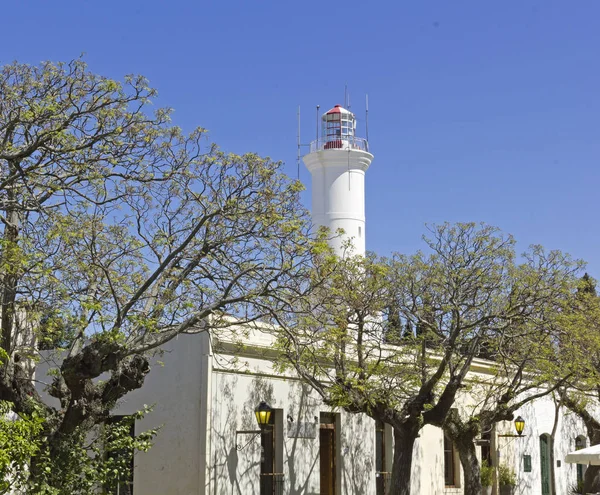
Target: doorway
x=545, y=464
x=327, y=453
x=580, y=442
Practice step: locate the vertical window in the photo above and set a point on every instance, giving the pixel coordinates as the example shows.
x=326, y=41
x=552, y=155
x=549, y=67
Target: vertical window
x=580, y=444
x=450, y=471
x=347, y=126
x=121, y=458
x=486, y=448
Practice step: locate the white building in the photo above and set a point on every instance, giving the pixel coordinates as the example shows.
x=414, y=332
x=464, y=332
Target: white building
x=205, y=394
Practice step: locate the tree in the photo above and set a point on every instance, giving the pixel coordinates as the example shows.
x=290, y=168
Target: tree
x=581, y=322
x=120, y=232
x=467, y=291
x=523, y=367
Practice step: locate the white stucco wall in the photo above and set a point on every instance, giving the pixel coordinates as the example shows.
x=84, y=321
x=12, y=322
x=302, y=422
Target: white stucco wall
x=234, y=398
x=177, y=391
x=539, y=420
x=428, y=464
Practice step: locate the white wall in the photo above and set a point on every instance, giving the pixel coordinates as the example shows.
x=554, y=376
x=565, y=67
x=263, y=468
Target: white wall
x=234, y=398
x=539, y=419
x=174, y=464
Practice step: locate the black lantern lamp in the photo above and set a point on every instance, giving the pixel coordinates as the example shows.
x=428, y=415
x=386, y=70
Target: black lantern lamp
x=263, y=414
x=519, y=425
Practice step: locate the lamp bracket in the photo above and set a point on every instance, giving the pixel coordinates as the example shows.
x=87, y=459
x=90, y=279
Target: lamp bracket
x=510, y=435
x=254, y=434
x=247, y=432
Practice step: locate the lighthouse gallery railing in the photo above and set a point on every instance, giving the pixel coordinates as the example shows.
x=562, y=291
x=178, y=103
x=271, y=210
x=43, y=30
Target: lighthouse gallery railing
x=342, y=143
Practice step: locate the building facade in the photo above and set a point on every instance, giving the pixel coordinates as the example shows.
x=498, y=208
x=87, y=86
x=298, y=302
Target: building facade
x=204, y=396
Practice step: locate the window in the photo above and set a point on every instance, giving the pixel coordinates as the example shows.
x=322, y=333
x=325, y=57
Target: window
x=486, y=448
x=121, y=457
x=450, y=464
x=580, y=444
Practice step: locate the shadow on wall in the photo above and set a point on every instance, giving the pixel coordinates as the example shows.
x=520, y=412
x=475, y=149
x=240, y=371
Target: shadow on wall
x=260, y=390
x=236, y=472
x=232, y=470
x=225, y=459
x=415, y=475
x=301, y=454
x=529, y=444
x=358, y=461
x=572, y=428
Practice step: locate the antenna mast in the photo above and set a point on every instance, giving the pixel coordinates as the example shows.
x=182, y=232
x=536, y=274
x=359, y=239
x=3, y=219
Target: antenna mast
x=317, y=137
x=367, y=117
x=298, y=157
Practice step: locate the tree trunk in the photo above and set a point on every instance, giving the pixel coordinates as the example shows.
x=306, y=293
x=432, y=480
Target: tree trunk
x=557, y=405
x=463, y=434
x=404, y=440
x=470, y=465
x=10, y=260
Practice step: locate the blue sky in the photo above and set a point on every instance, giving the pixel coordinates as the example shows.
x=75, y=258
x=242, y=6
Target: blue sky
x=478, y=111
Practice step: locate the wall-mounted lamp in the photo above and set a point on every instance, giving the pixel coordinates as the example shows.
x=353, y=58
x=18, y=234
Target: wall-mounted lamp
x=263, y=415
x=519, y=427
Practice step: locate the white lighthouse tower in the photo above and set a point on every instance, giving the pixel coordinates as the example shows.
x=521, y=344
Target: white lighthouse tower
x=338, y=162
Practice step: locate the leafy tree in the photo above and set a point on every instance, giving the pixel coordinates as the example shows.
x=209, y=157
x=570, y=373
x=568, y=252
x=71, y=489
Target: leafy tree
x=120, y=232
x=581, y=325
x=524, y=367
x=467, y=290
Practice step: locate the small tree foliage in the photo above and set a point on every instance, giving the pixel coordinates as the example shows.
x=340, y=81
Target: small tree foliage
x=19, y=442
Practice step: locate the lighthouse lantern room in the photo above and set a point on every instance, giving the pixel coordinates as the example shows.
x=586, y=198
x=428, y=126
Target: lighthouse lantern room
x=337, y=163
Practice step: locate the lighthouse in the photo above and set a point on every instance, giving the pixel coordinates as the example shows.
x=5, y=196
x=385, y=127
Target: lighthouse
x=337, y=162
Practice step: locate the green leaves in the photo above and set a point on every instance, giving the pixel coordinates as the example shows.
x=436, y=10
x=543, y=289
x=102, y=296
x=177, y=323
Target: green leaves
x=396, y=337
x=87, y=459
x=121, y=232
x=19, y=442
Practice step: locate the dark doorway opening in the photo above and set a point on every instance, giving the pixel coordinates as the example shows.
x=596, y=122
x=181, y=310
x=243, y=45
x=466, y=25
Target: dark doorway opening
x=327, y=453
